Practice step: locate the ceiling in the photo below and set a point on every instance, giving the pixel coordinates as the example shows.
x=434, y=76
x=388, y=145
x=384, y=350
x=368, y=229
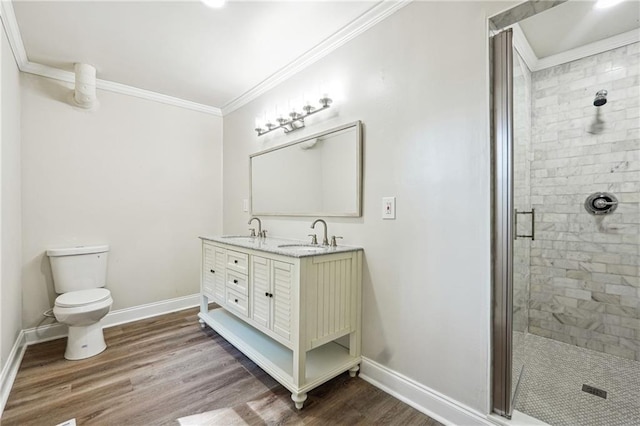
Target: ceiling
x=180, y=48
x=216, y=57
x=576, y=23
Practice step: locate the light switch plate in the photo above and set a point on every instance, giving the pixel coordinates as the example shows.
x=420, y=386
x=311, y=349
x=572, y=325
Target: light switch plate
x=388, y=207
x=245, y=205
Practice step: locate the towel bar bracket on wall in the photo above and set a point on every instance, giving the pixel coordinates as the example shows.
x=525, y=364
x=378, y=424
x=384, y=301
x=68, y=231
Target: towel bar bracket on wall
x=533, y=224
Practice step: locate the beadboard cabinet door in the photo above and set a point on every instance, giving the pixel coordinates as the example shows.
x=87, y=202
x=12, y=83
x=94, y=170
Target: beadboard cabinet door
x=271, y=295
x=213, y=272
x=261, y=287
x=219, y=275
x=282, y=299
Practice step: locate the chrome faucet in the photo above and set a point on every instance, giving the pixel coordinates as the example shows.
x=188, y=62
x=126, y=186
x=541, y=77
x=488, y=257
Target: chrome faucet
x=325, y=240
x=261, y=233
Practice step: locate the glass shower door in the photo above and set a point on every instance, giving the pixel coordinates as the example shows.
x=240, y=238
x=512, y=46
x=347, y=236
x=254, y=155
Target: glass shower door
x=524, y=217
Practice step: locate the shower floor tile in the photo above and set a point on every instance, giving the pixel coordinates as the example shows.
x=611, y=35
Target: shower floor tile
x=551, y=387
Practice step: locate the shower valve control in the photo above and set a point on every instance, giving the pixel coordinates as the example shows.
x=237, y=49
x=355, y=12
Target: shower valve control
x=600, y=203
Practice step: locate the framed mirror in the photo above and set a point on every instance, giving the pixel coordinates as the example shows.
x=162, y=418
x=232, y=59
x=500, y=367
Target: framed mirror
x=319, y=175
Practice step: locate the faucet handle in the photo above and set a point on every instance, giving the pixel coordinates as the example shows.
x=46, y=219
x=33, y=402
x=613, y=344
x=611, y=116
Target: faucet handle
x=333, y=241
x=314, y=238
x=263, y=234
x=253, y=232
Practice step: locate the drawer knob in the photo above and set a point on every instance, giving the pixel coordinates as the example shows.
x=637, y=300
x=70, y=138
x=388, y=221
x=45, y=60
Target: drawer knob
x=212, y=271
x=266, y=294
x=235, y=261
x=236, y=300
x=235, y=281
x=270, y=294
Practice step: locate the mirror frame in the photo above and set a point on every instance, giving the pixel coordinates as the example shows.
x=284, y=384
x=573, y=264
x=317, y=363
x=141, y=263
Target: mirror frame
x=357, y=125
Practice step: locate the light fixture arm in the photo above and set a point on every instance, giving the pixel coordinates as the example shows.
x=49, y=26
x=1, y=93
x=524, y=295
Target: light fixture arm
x=296, y=120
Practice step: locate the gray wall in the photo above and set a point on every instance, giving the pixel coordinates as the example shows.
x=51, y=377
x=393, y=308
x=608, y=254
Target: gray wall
x=10, y=229
x=419, y=82
x=143, y=177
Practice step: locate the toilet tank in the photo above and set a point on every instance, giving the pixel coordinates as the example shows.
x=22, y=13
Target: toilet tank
x=78, y=268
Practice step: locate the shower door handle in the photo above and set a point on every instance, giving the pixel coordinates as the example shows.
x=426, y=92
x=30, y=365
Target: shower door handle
x=533, y=224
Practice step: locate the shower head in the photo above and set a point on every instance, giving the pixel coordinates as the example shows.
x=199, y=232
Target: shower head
x=601, y=98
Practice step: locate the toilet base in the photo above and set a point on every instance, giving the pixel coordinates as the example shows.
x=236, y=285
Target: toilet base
x=85, y=341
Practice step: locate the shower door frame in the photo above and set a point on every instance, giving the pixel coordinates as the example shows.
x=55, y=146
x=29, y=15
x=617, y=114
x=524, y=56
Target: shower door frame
x=502, y=126
x=502, y=145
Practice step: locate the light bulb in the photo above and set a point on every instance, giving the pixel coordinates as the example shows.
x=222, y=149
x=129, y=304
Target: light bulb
x=604, y=4
x=214, y=4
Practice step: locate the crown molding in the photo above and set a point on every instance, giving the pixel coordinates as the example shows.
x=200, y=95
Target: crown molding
x=15, y=41
x=356, y=27
x=610, y=43
x=534, y=63
x=111, y=86
x=523, y=47
x=8, y=18
x=365, y=21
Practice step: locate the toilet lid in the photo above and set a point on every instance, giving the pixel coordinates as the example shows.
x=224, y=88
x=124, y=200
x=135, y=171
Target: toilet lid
x=82, y=297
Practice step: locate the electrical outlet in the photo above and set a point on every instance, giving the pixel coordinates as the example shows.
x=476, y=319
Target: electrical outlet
x=388, y=207
x=245, y=205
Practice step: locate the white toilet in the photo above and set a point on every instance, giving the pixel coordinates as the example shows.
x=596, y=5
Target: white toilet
x=79, y=275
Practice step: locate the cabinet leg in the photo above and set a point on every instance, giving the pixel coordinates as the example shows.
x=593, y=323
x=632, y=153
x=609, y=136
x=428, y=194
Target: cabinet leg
x=202, y=324
x=354, y=370
x=299, y=399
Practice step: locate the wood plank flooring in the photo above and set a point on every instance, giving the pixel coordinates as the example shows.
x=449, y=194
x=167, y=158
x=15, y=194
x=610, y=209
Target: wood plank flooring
x=160, y=370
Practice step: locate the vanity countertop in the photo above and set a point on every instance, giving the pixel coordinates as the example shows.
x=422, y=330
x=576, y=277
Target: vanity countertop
x=282, y=246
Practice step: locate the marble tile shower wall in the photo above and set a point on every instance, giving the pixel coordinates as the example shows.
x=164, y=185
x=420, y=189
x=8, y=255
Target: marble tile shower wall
x=585, y=288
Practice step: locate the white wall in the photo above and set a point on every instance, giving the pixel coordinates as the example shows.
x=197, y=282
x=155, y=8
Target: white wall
x=419, y=82
x=143, y=177
x=10, y=229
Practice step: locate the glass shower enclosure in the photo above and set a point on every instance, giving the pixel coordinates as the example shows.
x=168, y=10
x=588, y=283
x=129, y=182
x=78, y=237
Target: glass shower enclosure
x=566, y=228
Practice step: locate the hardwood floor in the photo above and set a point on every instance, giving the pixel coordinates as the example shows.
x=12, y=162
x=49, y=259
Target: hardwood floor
x=160, y=370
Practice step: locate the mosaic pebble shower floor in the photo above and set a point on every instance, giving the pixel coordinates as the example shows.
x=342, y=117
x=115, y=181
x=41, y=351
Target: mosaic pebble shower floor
x=554, y=374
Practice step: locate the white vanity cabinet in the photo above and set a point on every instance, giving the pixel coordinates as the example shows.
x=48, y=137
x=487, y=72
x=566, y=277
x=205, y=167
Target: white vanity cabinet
x=285, y=309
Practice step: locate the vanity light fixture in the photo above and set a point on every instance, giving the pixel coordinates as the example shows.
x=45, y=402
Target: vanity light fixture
x=295, y=120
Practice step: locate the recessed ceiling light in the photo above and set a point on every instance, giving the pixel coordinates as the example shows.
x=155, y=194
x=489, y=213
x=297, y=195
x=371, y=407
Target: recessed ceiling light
x=603, y=4
x=214, y=4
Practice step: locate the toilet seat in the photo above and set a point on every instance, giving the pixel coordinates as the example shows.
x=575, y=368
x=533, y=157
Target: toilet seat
x=79, y=298
x=82, y=311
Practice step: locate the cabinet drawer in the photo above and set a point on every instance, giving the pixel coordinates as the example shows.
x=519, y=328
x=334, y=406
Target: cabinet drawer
x=237, y=303
x=237, y=261
x=237, y=282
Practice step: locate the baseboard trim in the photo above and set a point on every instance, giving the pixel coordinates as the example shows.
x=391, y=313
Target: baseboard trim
x=517, y=419
x=10, y=369
x=123, y=316
x=422, y=398
x=56, y=331
x=117, y=317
